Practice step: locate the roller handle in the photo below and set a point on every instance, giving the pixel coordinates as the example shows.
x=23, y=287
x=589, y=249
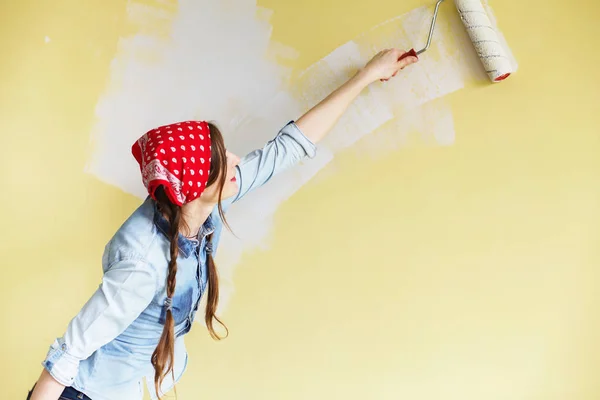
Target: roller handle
x=409, y=53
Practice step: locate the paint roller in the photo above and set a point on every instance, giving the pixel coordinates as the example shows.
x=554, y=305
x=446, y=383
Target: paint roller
x=482, y=35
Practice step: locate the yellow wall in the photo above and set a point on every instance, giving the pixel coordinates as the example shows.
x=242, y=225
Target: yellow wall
x=466, y=272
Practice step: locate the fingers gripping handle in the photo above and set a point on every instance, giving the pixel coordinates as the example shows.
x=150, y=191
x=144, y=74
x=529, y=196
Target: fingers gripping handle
x=410, y=53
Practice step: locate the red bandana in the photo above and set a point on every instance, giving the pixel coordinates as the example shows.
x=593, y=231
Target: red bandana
x=176, y=156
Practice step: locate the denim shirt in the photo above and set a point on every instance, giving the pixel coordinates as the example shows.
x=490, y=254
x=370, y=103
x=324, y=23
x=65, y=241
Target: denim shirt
x=106, y=349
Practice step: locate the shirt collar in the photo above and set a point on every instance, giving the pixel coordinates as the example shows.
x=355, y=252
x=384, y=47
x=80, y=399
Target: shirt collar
x=186, y=245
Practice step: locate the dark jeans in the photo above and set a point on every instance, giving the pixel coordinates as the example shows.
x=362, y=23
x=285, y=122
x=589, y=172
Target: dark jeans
x=68, y=394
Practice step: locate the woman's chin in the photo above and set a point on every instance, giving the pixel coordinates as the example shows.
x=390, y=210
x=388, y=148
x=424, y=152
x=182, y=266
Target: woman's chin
x=230, y=190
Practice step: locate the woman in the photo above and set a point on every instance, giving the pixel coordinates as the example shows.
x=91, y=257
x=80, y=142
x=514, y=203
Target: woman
x=160, y=261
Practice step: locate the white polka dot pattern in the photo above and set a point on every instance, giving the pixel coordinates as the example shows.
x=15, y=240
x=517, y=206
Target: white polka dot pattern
x=166, y=163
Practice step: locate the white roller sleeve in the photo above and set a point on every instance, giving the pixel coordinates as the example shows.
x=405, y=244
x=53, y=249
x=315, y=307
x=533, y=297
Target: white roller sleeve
x=485, y=39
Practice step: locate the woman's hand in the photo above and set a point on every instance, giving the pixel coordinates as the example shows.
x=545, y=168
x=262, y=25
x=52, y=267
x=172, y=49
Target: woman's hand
x=386, y=64
x=319, y=120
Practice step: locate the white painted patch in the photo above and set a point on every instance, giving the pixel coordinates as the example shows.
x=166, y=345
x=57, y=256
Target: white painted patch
x=200, y=74
x=431, y=124
x=47, y=39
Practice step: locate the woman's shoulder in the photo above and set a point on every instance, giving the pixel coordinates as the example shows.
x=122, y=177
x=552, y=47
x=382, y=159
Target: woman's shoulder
x=134, y=238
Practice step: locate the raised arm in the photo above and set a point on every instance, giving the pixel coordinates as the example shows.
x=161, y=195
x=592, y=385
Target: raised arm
x=297, y=139
x=320, y=119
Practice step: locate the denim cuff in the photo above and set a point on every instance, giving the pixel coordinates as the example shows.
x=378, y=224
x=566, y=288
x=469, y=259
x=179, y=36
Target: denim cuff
x=309, y=147
x=60, y=364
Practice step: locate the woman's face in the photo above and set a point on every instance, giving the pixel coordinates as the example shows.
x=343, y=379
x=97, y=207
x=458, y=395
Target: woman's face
x=211, y=193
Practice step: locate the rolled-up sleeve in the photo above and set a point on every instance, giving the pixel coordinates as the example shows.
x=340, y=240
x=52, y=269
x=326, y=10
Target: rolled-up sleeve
x=287, y=149
x=126, y=290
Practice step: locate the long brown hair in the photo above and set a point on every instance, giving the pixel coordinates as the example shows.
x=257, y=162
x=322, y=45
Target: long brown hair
x=164, y=354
